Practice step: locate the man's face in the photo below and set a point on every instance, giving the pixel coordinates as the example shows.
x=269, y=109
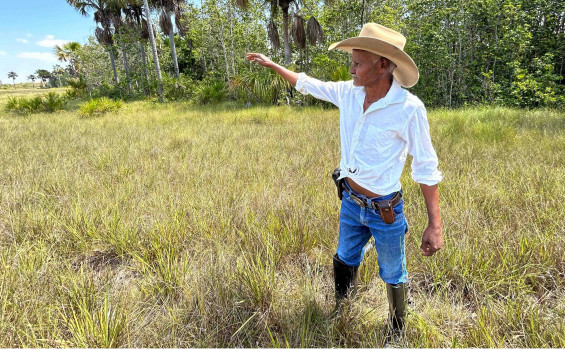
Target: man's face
x=364, y=70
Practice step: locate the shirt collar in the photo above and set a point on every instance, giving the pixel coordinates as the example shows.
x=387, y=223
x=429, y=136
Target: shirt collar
x=396, y=94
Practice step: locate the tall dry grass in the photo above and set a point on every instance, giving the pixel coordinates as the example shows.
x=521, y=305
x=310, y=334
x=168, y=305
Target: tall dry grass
x=171, y=225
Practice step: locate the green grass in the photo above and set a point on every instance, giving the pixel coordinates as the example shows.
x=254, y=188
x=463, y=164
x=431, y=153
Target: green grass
x=174, y=225
x=6, y=93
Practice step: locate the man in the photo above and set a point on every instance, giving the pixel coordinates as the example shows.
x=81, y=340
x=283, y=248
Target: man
x=380, y=123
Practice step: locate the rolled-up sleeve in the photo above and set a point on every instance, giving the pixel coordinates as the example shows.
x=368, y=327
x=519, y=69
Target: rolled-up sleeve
x=325, y=90
x=425, y=161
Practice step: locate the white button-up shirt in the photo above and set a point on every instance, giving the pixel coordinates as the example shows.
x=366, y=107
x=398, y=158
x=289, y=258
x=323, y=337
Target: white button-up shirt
x=374, y=144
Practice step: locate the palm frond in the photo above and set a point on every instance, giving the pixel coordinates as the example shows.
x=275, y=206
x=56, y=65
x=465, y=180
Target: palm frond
x=314, y=31
x=165, y=22
x=298, y=33
x=168, y=5
x=273, y=34
x=144, y=30
x=104, y=36
x=178, y=21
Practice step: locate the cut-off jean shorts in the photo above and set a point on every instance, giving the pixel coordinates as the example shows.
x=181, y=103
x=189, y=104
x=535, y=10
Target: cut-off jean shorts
x=356, y=226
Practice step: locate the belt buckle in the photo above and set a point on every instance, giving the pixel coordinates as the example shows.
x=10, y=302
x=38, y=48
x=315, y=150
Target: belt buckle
x=358, y=201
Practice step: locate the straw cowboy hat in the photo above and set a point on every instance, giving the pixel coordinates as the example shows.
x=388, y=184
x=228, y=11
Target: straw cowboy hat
x=387, y=43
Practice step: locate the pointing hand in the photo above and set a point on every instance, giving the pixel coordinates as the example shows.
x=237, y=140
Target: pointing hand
x=259, y=59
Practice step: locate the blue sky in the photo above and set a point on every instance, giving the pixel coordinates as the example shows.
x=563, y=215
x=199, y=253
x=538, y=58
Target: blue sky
x=30, y=29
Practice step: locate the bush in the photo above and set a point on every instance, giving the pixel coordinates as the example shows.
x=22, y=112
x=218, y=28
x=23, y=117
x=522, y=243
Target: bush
x=32, y=105
x=178, y=89
x=11, y=104
x=78, y=87
x=109, y=91
x=49, y=103
x=53, y=102
x=98, y=107
x=211, y=91
x=263, y=86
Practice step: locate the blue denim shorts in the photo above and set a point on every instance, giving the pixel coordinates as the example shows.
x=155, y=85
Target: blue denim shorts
x=356, y=226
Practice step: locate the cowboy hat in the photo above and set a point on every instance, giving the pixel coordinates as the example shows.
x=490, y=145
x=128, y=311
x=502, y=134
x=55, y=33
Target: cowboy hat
x=387, y=43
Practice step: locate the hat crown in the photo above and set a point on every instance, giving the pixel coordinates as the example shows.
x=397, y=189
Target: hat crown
x=377, y=31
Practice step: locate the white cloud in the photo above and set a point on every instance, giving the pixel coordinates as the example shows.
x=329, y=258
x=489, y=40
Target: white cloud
x=22, y=40
x=3, y=53
x=42, y=56
x=50, y=41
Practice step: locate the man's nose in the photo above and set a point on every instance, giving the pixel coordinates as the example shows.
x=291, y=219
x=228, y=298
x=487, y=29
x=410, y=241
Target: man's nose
x=352, y=71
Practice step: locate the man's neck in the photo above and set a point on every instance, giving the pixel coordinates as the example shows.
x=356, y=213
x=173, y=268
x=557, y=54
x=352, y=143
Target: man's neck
x=375, y=92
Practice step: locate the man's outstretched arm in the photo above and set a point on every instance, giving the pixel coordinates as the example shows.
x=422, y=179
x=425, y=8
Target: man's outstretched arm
x=261, y=59
x=432, y=239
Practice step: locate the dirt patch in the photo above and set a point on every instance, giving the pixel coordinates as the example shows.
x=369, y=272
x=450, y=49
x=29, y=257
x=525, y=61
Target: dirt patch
x=97, y=261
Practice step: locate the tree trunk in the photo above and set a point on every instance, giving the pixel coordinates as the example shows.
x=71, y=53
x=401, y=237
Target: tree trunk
x=126, y=65
x=285, y=37
x=116, y=78
x=222, y=41
x=144, y=60
x=154, y=49
x=363, y=13
x=173, y=49
x=230, y=20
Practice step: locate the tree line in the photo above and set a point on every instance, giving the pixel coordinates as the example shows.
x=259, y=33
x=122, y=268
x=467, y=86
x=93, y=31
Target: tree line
x=469, y=52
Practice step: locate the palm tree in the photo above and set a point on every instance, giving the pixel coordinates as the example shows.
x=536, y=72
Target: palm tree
x=271, y=28
x=154, y=49
x=115, y=8
x=104, y=37
x=168, y=7
x=103, y=16
x=12, y=75
x=314, y=29
x=134, y=18
x=32, y=78
x=66, y=53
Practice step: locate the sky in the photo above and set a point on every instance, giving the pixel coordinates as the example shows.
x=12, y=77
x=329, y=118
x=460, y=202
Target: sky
x=29, y=31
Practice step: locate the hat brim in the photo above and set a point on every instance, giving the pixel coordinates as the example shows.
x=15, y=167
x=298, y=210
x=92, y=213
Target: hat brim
x=406, y=72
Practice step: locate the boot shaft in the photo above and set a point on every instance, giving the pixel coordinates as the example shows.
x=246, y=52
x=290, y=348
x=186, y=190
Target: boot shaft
x=345, y=277
x=396, y=295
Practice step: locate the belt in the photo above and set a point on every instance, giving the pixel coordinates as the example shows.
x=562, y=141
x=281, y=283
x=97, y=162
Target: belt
x=374, y=204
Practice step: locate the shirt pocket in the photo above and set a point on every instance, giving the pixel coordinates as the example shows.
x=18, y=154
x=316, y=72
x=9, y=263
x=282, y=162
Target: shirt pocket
x=378, y=143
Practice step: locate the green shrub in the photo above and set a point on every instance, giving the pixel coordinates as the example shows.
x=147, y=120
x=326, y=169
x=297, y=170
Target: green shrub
x=33, y=105
x=78, y=87
x=12, y=104
x=98, y=107
x=178, y=89
x=48, y=103
x=210, y=91
x=110, y=91
x=53, y=102
x=263, y=86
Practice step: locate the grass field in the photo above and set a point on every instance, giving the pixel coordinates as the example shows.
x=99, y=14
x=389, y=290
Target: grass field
x=5, y=93
x=173, y=225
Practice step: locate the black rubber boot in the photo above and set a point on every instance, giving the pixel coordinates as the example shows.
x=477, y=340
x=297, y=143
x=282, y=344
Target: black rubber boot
x=345, y=278
x=396, y=295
